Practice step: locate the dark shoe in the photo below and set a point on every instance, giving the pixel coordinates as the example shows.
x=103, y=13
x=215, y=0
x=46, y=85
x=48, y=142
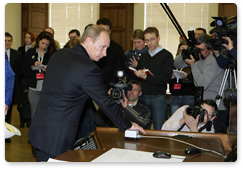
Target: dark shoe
x=21, y=125
x=8, y=140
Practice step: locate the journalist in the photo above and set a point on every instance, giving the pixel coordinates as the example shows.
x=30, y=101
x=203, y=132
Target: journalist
x=207, y=74
x=222, y=61
x=193, y=119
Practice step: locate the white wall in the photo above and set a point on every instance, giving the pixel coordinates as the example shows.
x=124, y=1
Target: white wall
x=13, y=22
x=13, y=19
x=138, y=18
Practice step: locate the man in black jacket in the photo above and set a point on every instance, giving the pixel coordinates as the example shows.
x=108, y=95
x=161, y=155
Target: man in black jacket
x=136, y=111
x=71, y=78
x=114, y=60
x=15, y=60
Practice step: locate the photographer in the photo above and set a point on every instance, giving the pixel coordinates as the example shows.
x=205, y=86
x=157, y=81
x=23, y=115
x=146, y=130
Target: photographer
x=182, y=120
x=133, y=109
x=205, y=70
x=182, y=89
x=200, y=31
x=224, y=61
x=207, y=74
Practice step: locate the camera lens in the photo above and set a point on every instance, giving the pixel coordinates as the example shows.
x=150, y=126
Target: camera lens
x=219, y=23
x=116, y=94
x=190, y=111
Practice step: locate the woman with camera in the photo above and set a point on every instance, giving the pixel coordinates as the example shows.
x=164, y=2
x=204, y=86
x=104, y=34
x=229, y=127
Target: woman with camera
x=193, y=119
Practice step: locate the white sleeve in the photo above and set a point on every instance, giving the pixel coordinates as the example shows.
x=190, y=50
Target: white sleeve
x=172, y=124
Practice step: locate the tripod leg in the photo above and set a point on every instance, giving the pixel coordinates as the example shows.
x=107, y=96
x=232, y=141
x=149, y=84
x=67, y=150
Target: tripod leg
x=221, y=90
x=235, y=78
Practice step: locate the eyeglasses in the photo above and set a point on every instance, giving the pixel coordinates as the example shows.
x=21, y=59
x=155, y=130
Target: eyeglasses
x=202, y=49
x=149, y=40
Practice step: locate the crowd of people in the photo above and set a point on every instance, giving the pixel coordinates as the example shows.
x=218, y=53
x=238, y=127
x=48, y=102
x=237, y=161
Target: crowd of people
x=57, y=89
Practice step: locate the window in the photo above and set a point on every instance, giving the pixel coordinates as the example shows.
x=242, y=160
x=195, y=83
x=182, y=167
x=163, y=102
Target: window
x=67, y=16
x=187, y=15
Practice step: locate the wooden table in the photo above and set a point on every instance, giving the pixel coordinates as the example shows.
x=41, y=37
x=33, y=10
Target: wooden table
x=108, y=138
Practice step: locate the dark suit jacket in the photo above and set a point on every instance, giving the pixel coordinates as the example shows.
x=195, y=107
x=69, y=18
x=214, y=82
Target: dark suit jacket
x=22, y=50
x=31, y=57
x=111, y=63
x=16, y=64
x=71, y=78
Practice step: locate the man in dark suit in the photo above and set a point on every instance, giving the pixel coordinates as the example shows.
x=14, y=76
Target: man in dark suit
x=15, y=60
x=115, y=58
x=71, y=78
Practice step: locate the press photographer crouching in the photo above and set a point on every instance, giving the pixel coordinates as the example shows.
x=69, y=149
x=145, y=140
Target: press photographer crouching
x=193, y=119
x=133, y=109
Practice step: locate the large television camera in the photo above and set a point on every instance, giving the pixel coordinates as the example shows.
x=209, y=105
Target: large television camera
x=223, y=27
x=119, y=88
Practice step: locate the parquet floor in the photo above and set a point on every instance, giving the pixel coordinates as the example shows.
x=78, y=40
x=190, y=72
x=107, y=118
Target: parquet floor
x=19, y=150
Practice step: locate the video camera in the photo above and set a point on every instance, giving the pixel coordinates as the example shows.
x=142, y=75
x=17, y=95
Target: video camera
x=222, y=28
x=119, y=87
x=191, y=50
x=195, y=111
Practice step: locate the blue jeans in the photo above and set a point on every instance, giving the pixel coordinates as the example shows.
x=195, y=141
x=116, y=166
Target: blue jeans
x=177, y=101
x=157, y=107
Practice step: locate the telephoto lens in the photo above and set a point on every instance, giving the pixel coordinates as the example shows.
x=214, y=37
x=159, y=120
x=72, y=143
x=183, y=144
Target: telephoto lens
x=195, y=111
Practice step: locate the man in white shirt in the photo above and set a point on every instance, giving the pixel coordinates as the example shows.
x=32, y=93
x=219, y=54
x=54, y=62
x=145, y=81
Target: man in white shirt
x=182, y=121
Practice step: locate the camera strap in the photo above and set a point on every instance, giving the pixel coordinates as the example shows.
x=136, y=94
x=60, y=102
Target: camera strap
x=181, y=127
x=208, y=126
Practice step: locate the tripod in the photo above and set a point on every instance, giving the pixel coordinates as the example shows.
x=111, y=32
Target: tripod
x=231, y=73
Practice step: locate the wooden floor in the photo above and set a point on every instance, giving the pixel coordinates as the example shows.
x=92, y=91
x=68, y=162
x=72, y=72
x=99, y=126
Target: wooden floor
x=19, y=150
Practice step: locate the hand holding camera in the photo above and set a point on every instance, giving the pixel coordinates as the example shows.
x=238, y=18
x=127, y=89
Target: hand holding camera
x=192, y=115
x=191, y=121
x=229, y=45
x=190, y=61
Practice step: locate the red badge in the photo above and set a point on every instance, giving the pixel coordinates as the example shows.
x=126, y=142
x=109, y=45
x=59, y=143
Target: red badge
x=39, y=76
x=177, y=86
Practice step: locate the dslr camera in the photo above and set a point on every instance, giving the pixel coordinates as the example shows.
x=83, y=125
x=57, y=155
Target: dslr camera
x=194, y=111
x=191, y=50
x=222, y=28
x=119, y=87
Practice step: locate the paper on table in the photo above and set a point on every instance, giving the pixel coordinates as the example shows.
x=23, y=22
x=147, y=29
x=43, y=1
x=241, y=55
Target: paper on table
x=124, y=155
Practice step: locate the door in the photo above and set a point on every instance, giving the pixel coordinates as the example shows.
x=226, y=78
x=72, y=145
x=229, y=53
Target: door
x=34, y=18
x=227, y=9
x=121, y=17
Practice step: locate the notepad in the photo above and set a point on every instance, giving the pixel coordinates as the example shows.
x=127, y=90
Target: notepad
x=133, y=70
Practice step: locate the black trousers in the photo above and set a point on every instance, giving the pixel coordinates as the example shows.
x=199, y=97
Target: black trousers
x=42, y=156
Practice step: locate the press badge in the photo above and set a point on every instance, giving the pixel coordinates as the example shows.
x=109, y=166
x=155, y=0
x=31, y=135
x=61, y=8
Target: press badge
x=39, y=76
x=177, y=86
